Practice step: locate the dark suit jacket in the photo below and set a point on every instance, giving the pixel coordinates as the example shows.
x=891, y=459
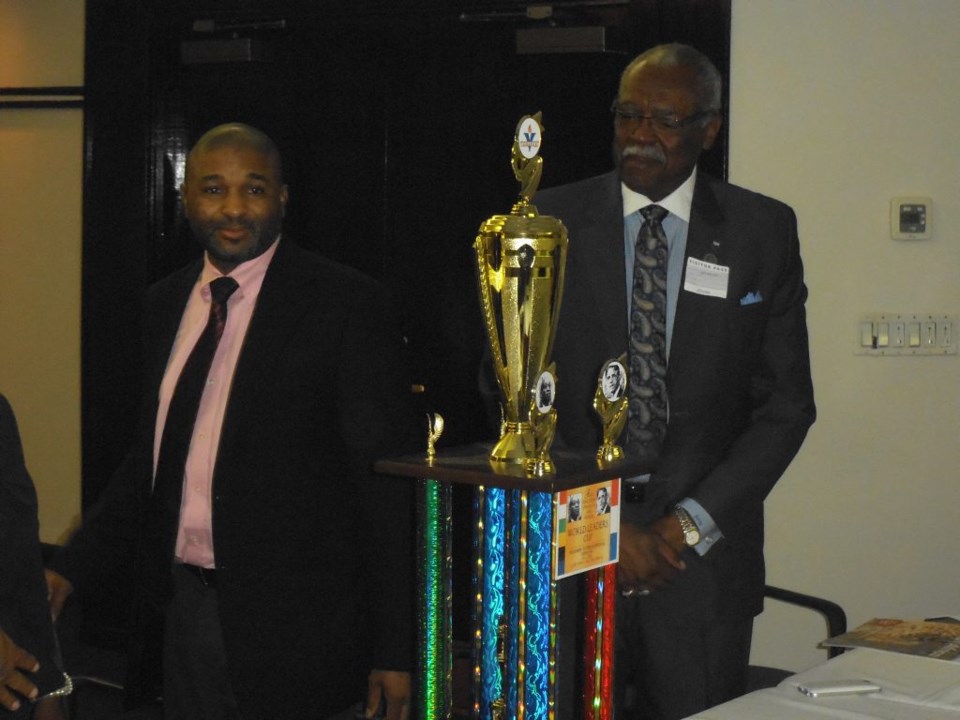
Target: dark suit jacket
x=317, y=396
x=24, y=612
x=741, y=398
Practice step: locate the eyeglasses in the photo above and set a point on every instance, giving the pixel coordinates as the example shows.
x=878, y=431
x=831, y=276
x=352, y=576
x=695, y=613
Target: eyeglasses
x=631, y=118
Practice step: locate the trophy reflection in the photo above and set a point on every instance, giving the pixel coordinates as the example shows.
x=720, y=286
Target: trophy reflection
x=520, y=267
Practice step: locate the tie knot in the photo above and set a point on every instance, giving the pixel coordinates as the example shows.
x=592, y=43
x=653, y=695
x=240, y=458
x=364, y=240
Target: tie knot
x=654, y=213
x=222, y=288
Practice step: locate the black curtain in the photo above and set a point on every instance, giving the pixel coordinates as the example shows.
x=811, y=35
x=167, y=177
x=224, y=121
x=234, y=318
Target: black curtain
x=395, y=127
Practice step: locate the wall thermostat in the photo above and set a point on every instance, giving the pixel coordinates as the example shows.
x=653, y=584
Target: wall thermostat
x=910, y=218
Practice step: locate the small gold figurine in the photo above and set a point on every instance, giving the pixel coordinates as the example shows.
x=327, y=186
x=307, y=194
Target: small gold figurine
x=434, y=431
x=543, y=418
x=610, y=403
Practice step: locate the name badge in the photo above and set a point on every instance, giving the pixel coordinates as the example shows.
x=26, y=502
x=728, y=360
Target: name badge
x=705, y=278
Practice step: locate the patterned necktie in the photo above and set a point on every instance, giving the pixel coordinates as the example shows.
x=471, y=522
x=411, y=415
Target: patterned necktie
x=181, y=417
x=647, y=422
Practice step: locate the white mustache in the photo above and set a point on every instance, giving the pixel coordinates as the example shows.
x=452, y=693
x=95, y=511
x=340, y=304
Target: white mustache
x=651, y=152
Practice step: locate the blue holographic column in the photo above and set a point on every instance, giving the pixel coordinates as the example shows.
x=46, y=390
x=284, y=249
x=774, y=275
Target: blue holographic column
x=492, y=605
x=539, y=597
x=515, y=509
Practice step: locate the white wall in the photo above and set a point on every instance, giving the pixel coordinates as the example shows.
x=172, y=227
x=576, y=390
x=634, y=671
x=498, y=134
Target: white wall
x=836, y=106
x=41, y=162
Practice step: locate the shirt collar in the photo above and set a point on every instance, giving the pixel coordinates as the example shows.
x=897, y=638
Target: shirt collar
x=248, y=274
x=677, y=203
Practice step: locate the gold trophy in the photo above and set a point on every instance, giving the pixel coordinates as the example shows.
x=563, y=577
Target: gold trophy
x=520, y=268
x=610, y=402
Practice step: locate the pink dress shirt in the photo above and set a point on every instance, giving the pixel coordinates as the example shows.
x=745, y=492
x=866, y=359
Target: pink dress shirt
x=195, y=532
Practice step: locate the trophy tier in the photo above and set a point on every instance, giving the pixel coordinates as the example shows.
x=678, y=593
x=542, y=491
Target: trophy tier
x=470, y=465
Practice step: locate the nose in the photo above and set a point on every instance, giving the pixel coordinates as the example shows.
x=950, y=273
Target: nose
x=643, y=130
x=234, y=204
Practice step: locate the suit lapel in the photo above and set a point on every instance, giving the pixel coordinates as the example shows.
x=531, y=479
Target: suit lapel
x=706, y=240
x=279, y=309
x=170, y=303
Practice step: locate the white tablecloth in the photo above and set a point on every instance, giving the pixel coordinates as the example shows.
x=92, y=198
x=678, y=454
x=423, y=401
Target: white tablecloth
x=912, y=688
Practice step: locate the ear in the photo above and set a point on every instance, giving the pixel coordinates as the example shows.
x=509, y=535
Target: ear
x=712, y=130
x=284, y=196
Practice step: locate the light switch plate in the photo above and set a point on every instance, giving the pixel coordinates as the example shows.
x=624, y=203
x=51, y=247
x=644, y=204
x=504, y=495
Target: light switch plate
x=889, y=333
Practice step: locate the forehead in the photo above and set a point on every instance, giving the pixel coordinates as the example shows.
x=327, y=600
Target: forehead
x=666, y=84
x=232, y=161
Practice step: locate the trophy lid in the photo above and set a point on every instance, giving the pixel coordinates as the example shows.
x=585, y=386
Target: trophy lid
x=524, y=221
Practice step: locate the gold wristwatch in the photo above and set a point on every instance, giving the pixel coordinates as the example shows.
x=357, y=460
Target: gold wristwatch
x=691, y=533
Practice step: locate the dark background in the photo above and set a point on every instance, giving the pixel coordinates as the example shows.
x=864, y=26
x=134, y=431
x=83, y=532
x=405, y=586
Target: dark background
x=395, y=122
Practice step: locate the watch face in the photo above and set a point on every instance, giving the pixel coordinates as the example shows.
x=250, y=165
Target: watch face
x=691, y=537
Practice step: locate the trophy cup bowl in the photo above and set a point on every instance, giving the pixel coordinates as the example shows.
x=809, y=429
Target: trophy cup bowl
x=520, y=270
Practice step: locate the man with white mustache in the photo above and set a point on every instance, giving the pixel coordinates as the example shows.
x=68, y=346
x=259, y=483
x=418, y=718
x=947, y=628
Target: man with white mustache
x=737, y=397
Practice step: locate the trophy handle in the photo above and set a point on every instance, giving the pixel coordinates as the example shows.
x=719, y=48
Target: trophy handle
x=489, y=312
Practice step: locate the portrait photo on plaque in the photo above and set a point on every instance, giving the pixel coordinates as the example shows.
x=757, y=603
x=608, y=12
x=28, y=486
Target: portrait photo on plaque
x=586, y=528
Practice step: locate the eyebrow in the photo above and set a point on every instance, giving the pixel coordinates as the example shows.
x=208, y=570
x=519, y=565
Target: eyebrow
x=250, y=176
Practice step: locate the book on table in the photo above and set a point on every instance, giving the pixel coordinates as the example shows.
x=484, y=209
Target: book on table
x=938, y=638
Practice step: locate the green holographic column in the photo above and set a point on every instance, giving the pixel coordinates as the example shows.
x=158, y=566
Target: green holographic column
x=434, y=654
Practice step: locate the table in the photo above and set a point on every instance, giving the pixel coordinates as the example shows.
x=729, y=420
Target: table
x=912, y=688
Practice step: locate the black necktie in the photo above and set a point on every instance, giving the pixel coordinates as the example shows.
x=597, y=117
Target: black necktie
x=647, y=423
x=181, y=417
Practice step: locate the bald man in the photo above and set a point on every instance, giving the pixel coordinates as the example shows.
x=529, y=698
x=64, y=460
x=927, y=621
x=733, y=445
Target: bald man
x=264, y=605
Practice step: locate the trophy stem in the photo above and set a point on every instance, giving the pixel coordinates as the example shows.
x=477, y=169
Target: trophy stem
x=516, y=444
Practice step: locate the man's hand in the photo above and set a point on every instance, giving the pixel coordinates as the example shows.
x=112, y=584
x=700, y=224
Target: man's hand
x=647, y=560
x=668, y=527
x=58, y=588
x=13, y=660
x=393, y=687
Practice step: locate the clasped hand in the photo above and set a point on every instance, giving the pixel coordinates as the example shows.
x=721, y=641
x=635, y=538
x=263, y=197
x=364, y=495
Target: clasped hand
x=650, y=557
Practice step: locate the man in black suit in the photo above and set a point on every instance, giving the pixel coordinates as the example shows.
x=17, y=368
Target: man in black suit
x=737, y=381
x=273, y=607
x=28, y=661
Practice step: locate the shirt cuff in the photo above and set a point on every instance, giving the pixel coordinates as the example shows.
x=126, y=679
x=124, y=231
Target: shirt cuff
x=709, y=532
